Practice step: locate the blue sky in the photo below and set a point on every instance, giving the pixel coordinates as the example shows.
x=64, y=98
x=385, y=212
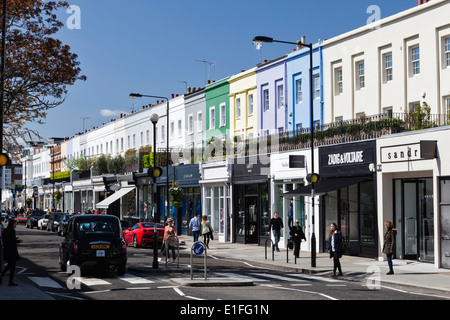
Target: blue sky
x=151, y=46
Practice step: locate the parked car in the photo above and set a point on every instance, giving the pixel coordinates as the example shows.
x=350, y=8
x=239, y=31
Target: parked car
x=141, y=234
x=93, y=241
x=33, y=218
x=53, y=221
x=42, y=222
x=21, y=218
x=63, y=223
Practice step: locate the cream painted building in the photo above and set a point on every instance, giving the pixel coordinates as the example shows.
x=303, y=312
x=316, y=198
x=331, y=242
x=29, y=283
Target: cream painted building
x=413, y=191
x=243, y=107
x=391, y=65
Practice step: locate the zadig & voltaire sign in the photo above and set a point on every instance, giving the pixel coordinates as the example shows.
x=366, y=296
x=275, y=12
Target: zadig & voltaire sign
x=346, y=158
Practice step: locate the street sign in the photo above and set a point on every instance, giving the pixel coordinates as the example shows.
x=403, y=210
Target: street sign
x=198, y=248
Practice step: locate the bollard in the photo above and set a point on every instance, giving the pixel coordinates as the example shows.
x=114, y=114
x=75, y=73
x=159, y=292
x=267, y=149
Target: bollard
x=265, y=249
x=178, y=249
x=200, y=247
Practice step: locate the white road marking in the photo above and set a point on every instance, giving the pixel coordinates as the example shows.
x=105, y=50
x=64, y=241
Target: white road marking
x=45, y=282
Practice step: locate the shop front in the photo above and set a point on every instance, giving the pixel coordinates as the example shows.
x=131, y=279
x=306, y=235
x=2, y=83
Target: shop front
x=251, y=207
x=413, y=193
x=186, y=177
x=348, y=196
x=216, y=197
x=288, y=173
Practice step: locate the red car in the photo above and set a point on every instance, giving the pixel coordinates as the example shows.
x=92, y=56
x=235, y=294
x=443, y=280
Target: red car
x=21, y=218
x=141, y=234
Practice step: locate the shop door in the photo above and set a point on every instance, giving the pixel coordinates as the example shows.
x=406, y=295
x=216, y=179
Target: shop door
x=251, y=219
x=418, y=217
x=410, y=219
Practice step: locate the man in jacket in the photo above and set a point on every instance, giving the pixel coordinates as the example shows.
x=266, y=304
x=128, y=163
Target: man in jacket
x=277, y=227
x=297, y=235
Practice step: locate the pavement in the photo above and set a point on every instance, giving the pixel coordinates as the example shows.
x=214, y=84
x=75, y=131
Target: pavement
x=421, y=276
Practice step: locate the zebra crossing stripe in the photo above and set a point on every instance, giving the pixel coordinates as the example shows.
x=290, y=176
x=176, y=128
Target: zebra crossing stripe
x=45, y=282
x=134, y=279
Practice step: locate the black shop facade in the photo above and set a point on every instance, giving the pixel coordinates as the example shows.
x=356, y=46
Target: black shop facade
x=347, y=192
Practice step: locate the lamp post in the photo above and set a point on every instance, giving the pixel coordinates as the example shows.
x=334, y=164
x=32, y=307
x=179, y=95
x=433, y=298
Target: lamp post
x=154, y=119
x=312, y=177
x=138, y=95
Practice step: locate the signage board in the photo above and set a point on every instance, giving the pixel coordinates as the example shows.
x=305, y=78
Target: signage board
x=408, y=152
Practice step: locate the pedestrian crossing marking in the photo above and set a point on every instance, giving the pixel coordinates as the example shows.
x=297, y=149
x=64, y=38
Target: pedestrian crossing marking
x=258, y=277
x=236, y=275
x=277, y=277
x=134, y=279
x=312, y=277
x=91, y=281
x=45, y=282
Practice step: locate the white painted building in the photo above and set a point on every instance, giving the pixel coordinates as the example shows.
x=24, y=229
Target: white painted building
x=390, y=65
x=413, y=188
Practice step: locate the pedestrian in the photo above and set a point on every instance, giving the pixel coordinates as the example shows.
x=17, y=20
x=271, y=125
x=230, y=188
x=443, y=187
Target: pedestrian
x=207, y=231
x=335, y=248
x=297, y=235
x=169, y=230
x=389, y=244
x=276, y=224
x=10, y=252
x=195, y=225
x=290, y=214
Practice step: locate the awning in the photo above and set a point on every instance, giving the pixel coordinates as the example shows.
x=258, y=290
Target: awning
x=116, y=196
x=325, y=186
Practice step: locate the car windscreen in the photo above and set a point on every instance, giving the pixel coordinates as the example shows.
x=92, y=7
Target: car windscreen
x=97, y=227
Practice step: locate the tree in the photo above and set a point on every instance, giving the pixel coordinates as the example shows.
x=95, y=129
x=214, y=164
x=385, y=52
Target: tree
x=39, y=67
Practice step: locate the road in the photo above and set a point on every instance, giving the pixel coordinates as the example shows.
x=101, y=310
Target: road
x=39, y=265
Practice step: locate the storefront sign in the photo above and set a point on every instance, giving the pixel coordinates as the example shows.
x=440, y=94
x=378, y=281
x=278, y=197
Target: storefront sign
x=409, y=152
x=296, y=161
x=346, y=160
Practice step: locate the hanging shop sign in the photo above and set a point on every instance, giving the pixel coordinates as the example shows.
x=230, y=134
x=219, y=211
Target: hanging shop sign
x=422, y=150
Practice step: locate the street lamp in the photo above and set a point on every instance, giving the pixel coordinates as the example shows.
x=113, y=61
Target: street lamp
x=312, y=177
x=154, y=119
x=138, y=95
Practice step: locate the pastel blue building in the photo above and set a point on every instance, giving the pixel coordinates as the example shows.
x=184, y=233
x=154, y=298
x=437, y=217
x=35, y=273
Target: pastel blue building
x=298, y=88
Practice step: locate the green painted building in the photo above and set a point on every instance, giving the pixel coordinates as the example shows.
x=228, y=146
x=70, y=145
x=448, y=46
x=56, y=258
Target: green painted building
x=217, y=110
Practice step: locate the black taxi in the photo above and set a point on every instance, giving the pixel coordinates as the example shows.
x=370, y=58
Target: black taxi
x=93, y=241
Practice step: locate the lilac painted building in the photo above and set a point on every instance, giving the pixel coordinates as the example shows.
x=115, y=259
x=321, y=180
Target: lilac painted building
x=272, y=110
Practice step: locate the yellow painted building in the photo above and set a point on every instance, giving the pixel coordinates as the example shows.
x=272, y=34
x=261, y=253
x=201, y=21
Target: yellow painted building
x=243, y=106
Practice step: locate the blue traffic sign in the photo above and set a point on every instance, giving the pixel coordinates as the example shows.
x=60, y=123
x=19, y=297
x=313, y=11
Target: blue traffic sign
x=198, y=248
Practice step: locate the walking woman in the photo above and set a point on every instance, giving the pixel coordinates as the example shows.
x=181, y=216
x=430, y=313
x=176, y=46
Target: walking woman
x=207, y=230
x=169, y=230
x=10, y=252
x=335, y=248
x=389, y=244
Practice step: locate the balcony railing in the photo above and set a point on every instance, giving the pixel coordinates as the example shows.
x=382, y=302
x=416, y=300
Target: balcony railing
x=362, y=128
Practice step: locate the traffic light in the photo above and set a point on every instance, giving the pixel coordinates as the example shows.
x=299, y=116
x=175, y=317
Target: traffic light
x=4, y=159
x=313, y=177
x=154, y=172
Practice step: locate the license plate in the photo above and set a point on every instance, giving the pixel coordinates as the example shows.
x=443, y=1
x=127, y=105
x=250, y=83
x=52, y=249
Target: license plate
x=101, y=253
x=99, y=246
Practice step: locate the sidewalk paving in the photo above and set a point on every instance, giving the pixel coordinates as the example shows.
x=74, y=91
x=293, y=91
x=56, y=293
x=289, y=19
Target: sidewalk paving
x=407, y=273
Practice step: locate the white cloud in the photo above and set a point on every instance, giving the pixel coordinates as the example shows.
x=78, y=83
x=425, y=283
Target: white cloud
x=110, y=113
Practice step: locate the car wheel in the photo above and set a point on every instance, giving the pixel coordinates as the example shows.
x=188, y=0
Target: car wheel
x=135, y=242
x=62, y=264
